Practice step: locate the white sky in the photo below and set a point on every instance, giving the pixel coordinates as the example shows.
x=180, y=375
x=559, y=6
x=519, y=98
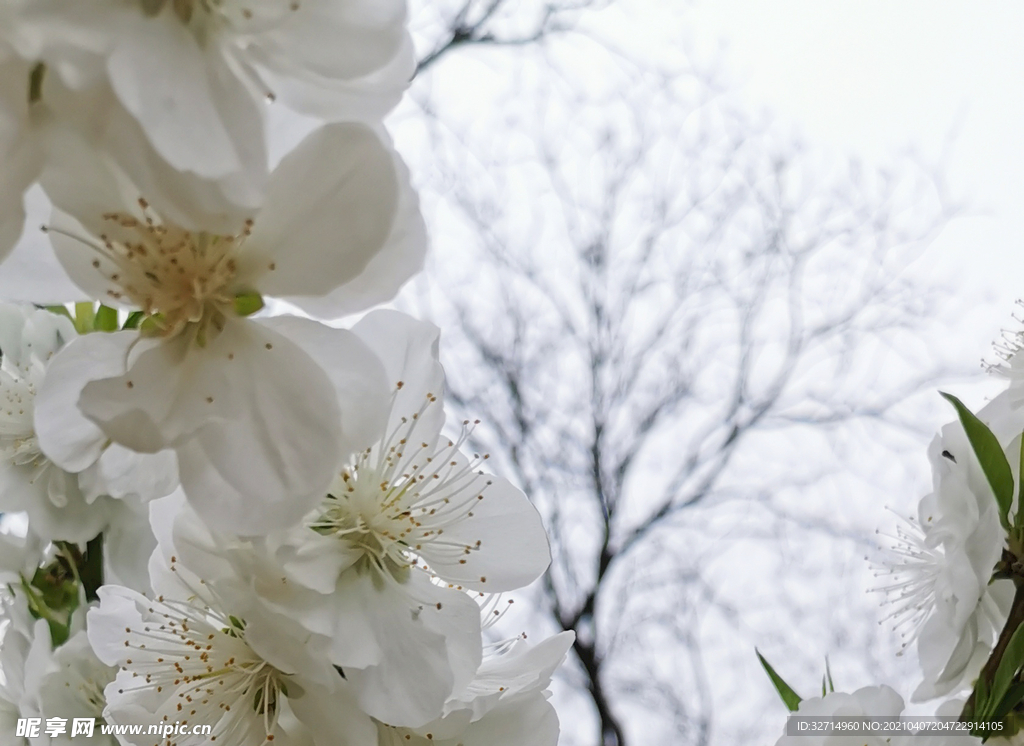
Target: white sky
x=873, y=77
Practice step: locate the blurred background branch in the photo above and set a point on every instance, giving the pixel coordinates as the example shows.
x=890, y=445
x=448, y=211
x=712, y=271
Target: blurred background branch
x=697, y=345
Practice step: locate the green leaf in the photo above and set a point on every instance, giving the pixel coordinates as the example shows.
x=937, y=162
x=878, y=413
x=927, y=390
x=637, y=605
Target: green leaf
x=1011, y=699
x=789, y=698
x=828, y=673
x=990, y=455
x=1009, y=664
x=1020, y=487
x=981, y=702
x=106, y=319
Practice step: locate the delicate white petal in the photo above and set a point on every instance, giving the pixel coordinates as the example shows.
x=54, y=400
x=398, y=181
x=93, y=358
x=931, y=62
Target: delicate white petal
x=168, y=389
x=128, y=543
x=100, y=134
x=408, y=348
x=508, y=544
x=273, y=459
x=353, y=369
x=122, y=473
x=334, y=719
x=399, y=260
x=532, y=721
x=366, y=99
x=178, y=110
x=313, y=560
x=66, y=436
x=523, y=670
x=27, y=334
x=341, y=40
x=416, y=620
x=311, y=244
x=32, y=273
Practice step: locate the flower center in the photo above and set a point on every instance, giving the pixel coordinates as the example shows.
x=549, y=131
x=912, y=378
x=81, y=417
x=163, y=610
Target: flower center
x=206, y=17
x=200, y=655
x=180, y=280
x=913, y=572
x=395, y=500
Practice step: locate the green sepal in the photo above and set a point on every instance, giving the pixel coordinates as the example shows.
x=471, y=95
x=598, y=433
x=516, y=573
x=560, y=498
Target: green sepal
x=85, y=314
x=105, y=320
x=789, y=698
x=134, y=319
x=60, y=311
x=246, y=304
x=990, y=455
x=54, y=599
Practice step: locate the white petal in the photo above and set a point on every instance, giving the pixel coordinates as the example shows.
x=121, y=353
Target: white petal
x=408, y=348
x=311, y=559
x=128, y=544
x=354, y=370
x=437, y=627
x=366, y=99
x=28, y=334
x=334, y=719
x=273, y=459
x=158, y=71
x=337, y=40
x=118, y=608
x=99, y=133
x=523, y=669
x=531, y=721
x=513, y=546
x=399, y=260
x=122, y=473
x=32, y=273
x=66, y=436
x=329, y=209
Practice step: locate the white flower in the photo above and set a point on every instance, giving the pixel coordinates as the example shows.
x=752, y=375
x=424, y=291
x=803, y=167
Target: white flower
x=941, y=585
x=404, y=644
x=258, y=411
x=530, y=720
x=410, y=523
x=193, y=655
x=510, y=671
x=870, y=701
x=73, y=688
x=58, y=504
x=25, y=657
x=504, y=705
x=193, y=73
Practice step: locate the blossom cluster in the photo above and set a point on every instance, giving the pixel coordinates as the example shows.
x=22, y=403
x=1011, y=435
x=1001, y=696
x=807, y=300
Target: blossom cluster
x=954, y=581
x=222, y=510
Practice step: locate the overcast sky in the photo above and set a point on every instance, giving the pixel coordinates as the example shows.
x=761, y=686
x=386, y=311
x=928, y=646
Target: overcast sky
x=873, y=77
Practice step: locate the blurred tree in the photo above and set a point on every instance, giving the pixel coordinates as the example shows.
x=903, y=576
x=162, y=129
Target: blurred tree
x=684, y=334
x=451, y=24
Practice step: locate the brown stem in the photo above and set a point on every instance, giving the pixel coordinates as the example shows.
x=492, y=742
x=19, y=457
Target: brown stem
x=988, y=672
